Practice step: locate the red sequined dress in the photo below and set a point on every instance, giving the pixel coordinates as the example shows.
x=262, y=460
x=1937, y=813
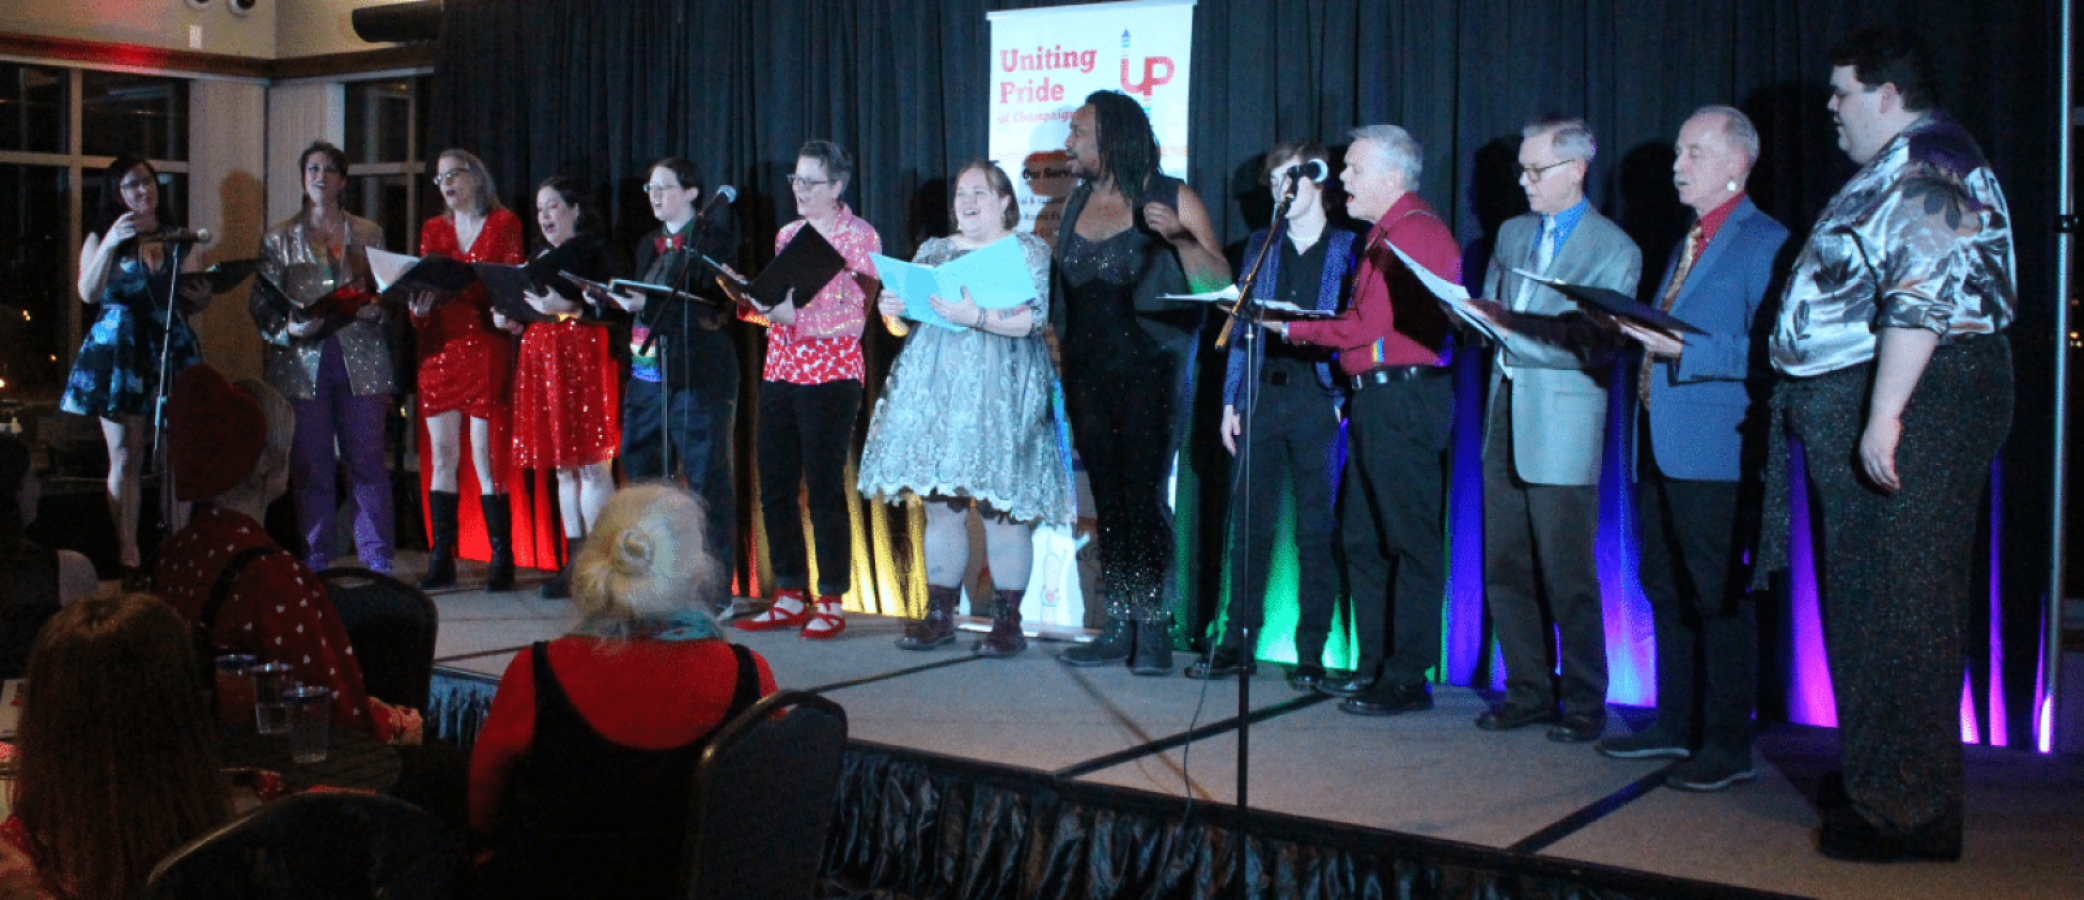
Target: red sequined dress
x=463, y=359
x=567, y=392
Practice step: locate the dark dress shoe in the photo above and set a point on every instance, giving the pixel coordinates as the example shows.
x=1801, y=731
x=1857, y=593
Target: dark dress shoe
x=1848, y=835
x=1221, y=663
x=1389, y=700
x=1305, y=678
x=1506, y=717
x=1579, y=728
x=1352, y=686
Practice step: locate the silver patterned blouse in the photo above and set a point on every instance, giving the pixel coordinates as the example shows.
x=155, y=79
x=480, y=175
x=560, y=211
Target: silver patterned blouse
x=1919, y=238
x=309, y=270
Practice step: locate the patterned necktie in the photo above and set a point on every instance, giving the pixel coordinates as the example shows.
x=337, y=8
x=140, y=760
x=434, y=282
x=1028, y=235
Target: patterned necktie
x=1664, y=305
x=1544, y=254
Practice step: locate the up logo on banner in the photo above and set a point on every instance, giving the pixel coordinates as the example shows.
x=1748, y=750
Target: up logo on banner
x=1151, y=66
x=1046, y=61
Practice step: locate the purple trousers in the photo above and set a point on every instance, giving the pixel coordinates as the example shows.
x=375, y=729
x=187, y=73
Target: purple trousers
x=335, y=415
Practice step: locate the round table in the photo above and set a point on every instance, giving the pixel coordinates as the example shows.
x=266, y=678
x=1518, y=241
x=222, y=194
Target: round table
x=354, y=760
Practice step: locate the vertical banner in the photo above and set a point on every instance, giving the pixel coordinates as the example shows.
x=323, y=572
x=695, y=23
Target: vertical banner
x=1043, y=64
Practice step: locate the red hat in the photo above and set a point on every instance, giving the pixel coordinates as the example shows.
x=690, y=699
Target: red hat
x=215, y=433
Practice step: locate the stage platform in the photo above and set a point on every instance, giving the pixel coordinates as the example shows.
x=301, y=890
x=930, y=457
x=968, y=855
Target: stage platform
x=1025, y=777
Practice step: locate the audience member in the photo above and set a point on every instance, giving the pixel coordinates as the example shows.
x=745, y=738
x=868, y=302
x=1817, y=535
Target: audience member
x=579, y=781
x=34, y=580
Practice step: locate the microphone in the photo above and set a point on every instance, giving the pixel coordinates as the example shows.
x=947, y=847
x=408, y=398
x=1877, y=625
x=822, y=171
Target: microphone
x=177, y=236
x=1315, y=170
x=724, y=193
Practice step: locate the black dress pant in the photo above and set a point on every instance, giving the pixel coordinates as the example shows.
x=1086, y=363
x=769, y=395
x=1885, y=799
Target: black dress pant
x=806, y=431
x=1541, y=580
x=699, y=429
x=1692, y=573
x=1391, y=523
x=1294, y=429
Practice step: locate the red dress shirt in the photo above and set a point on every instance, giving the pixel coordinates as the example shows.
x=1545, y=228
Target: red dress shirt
x=1367, y=335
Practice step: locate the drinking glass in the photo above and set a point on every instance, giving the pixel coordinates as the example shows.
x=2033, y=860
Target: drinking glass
x=310, y=712
x=235, y=688
x=270, y=681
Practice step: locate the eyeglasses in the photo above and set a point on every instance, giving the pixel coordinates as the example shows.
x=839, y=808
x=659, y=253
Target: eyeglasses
x=661, y=188
x=137, y=185
x=451, y=175
x=802, y=182
x=1534, y=173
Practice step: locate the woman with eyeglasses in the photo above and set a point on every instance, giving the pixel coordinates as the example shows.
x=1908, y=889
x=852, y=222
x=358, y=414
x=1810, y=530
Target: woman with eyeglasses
x=565, y=381
x=463, y=366
x=810, y=392
x=968, y=416
x=338, y=376
x=126, y=272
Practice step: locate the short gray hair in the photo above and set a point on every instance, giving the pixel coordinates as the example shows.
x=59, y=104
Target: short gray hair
x=1573, y=138
x=1736, y=126
x=1399, y=150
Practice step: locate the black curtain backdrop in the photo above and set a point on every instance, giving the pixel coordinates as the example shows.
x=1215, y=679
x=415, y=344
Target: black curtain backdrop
x=599, y=90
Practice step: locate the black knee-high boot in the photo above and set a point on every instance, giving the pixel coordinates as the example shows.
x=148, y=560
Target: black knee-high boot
x=441, y=556
x=560, y=587
x=499, y=531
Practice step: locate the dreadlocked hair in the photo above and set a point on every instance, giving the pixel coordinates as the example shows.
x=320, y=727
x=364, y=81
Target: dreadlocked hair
x=1128, y=149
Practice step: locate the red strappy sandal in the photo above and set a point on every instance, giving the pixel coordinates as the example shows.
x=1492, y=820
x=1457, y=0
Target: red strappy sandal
x=827, y=622
x=775, y=618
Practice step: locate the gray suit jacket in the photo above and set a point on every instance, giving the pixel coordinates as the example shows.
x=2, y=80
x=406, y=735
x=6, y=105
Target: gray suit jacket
x=1549, y=363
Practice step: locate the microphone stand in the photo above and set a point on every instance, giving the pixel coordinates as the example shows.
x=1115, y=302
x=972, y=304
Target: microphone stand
x=1248, y=305
x=690, y=256
x=159, y=389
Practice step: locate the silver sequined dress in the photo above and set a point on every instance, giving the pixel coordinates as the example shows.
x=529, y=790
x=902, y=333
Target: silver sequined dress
x=974, y=414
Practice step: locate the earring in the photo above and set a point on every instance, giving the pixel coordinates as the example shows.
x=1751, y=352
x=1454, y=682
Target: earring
x=1731, y=186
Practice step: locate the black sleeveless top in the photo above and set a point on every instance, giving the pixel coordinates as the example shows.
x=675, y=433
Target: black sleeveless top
x=1103, y=285
x=588, y=817
x=29, y=599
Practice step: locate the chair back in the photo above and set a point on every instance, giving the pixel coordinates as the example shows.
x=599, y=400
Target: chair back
x=765, y=792
x=392, y=626
x=316, y=846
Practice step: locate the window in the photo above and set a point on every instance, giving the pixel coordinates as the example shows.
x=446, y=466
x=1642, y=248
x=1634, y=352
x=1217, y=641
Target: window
x=58, y=128
x=32, y=108
x=384, y=119
x=35, y=281
x=127, y=113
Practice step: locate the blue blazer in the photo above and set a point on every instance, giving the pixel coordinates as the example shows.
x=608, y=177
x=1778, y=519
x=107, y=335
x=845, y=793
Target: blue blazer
x=1699, y=402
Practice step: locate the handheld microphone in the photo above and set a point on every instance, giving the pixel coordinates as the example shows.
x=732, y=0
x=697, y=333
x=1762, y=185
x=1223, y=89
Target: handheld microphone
x=177, y=236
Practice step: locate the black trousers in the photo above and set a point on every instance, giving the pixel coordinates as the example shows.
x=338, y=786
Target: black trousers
x=1294, y=429
x=1391, y=523
x=700, y=430
x=1899, y=571
x=1541, y=581
x=806, y=431
x=1692, y=572
x=1123, y=407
